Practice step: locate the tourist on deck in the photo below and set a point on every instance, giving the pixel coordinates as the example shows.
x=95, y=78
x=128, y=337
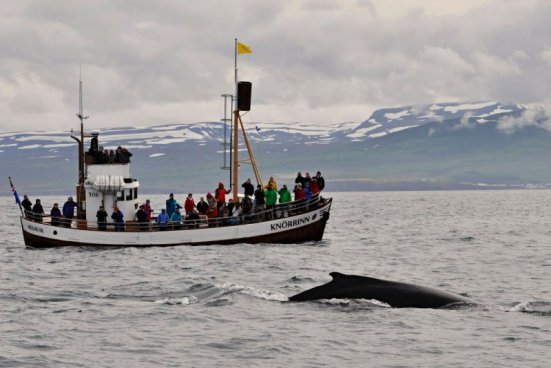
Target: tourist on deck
x=176, y=219
x=148, y=210
x=220, y=194
x=202, y=206
x=300, y=197
x=69, y=211
x=235, y=214
x=231, y=205
x=299, y=193
x=272, y=183
x=246, y=207
x=101, y=215
x=284, y=199
x=248, y=188
x=223, y=214
x=38, y=211
x=111, y=158
x=314, y=187
x=211, y=201
x=27, y=205
x=320, y=180
x=192, y=219
x=118, y=219
x=189, y=204
x=55, y=214
x=212, y=215
x=123, y=155
x=271, y=201
x=299, y=179
x=141, y=217
x=102, y=156
x=163, y=219
x=171, y=205
x=307, y=193
x=259, y=199
x=307, y=179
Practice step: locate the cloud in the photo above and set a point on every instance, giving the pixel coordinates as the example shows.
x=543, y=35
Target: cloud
x=465, y=122
x=533, y=116
x=313, y=61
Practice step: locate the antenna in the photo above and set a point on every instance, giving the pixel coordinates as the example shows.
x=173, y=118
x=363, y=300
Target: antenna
x=80, y=108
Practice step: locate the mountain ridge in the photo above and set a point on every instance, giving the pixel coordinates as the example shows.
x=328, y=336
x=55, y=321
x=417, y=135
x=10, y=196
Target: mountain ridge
x=439, y=146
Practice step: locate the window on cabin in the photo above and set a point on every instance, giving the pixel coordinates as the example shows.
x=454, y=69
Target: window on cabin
x=128, y=194
x=135, y=193
x=120, y=196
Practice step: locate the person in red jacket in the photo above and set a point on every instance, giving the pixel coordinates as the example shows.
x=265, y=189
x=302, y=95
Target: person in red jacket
x=314, y=187
x=220, y=194
x=189, y=205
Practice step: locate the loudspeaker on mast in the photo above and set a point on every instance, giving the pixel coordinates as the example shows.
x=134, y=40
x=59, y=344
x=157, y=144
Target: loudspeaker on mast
x=244, y=96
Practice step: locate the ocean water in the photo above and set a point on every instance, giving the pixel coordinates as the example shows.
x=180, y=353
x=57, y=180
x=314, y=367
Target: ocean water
x=217, y=306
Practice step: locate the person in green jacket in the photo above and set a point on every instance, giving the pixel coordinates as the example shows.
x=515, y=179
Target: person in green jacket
x=271, y=199
x=284, y=199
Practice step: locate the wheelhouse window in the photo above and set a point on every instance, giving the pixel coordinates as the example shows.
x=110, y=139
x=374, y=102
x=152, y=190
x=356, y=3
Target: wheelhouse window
x=129, y=196
x=120, y=195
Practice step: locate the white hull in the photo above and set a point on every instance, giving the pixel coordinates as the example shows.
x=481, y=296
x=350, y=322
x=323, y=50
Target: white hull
x=303, y=227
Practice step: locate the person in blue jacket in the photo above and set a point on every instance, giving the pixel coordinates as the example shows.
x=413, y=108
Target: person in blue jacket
x=118, y=219
x=68, y=211
x=171, y=205
x=163, y=219
x=307, y=193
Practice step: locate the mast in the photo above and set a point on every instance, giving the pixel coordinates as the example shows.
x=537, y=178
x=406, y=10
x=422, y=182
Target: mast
x=81, y=195
x=242, y=103
x=235, y=146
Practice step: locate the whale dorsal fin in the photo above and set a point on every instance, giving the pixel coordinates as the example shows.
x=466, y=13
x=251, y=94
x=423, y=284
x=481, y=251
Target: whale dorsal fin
x=338, y=277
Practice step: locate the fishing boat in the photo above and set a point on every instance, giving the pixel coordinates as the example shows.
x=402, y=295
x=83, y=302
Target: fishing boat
x=112, y=185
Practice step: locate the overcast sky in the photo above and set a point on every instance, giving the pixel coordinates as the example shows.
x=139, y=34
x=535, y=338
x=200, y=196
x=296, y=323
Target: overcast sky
x=316, y=61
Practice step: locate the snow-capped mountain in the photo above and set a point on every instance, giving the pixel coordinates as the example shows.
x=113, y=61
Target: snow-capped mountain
x=391, y=120
x=414, y=144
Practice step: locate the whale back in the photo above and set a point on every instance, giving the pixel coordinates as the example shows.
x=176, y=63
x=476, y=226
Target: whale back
x=395, y=294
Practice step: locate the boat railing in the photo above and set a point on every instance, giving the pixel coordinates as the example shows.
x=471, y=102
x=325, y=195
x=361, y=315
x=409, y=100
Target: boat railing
x=281, y=210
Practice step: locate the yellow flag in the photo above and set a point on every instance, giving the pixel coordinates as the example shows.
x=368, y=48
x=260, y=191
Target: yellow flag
x=243, y=49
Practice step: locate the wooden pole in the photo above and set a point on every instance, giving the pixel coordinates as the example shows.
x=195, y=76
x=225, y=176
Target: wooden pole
x=235, y=148
x=251, y=155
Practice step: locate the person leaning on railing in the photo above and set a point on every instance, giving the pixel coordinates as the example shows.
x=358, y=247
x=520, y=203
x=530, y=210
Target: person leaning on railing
x=162, y=220
x=38, y=211
x=284, y=199
x=55, y=215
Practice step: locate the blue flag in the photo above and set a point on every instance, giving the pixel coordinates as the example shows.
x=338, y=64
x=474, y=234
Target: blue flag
x=17, y=200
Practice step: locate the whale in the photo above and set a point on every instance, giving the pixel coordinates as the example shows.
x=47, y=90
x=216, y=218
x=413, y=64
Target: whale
x=395, y=294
